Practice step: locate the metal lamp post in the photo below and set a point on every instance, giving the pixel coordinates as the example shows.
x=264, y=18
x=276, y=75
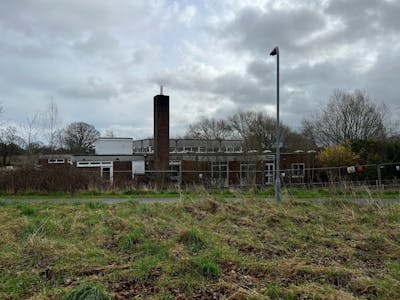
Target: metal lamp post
x=277, y=176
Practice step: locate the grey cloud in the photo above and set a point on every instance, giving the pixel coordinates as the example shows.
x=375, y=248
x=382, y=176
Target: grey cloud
x=310, y=32
x=99, y=43
x=95, y=88
x=236, y=87
x=49, y=48
x=364, y=18
x=261, y=70
x=382, y=79
x=67, y=18
x=255, y=30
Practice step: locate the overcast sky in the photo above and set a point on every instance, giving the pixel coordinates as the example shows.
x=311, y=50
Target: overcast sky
x=102, y=61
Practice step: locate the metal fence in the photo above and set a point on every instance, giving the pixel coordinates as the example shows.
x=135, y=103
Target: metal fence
x=219, y=176
x=373, y=175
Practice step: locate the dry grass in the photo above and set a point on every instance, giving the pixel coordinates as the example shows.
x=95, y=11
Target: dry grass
x=247, y=249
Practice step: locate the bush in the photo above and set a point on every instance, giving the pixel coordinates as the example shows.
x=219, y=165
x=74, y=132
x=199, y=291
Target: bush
x=64, y=179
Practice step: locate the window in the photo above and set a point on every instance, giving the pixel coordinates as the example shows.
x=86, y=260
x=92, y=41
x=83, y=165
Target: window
x=175, y=171
x=298, y=170
x=220, y=170
x=220, y=174
x=138, y=167
x=106, y=173
x=229, y=149
x=56, y=161
x=247, y=173
x=269, y=173
x=238, y=149
x=94, y=164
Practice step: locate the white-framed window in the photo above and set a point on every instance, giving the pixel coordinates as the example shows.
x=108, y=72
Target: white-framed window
x=56, y=161
x=298, y=169
x=138, y=167
x=238, y=149
x=91, y=164
x=269, y=173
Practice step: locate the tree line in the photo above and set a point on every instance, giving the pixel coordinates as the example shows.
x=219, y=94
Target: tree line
x=75, y=138
x=351, y=128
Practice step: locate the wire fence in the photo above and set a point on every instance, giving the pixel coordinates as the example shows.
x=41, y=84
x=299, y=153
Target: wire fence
x=69, y=178
x=221, y=176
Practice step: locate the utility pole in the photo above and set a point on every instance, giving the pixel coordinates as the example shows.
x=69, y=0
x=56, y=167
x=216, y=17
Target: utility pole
x=278, y=142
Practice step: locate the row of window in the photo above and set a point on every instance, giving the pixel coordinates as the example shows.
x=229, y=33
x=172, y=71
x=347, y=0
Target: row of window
x=83, y=164
x=220, y=170
x=192, y=149
x=58, y=161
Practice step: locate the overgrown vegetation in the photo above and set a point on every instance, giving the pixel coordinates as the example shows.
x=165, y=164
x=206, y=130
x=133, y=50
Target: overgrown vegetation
x=246, y=249
x=131, y=192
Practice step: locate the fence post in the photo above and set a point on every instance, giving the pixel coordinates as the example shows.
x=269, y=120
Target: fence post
x=379, y=176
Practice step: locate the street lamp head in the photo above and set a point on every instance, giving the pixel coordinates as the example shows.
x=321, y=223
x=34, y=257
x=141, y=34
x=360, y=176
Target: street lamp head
x=275, y=51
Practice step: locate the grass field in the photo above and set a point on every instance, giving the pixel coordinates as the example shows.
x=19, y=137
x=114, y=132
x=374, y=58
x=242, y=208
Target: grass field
x=193, y=192
x=247, y=249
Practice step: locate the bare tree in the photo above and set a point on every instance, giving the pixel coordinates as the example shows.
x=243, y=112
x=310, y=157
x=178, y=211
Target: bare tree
x=30, y=130
x=256, y=129
x=209, y=129
x=348, y=116
x=10, y=144
x=258, y=132
x=52, y=122
x=79, y=137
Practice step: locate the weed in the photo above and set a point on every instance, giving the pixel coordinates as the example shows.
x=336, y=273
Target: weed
x=166, y=297
x=156, y=249
x=95, y=205
x=274, y=291
x=134, y=237
x=87, y=292
x=193, y=239
x=394, y=269
x=19, y=286
x=393, y=215
x=144, y=267
x=206, y=267
x=25, y=210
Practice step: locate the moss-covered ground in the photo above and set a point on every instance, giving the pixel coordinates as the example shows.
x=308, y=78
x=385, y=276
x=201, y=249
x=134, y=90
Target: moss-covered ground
x=214, y=249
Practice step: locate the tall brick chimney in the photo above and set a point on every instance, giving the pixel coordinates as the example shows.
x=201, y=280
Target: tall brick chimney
x=161, y=132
